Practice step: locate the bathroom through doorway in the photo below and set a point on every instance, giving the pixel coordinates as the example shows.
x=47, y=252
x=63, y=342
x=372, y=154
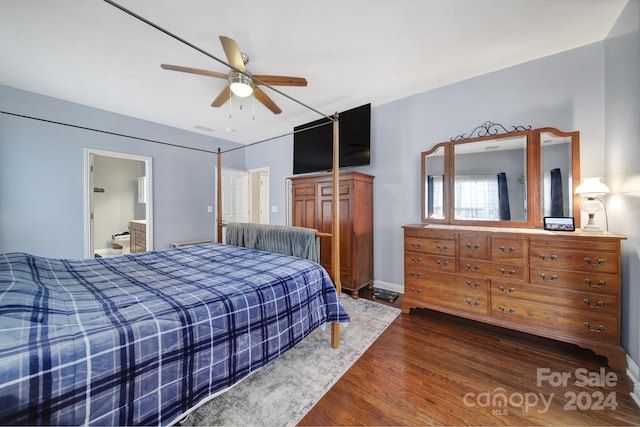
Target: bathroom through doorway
x=118, y=193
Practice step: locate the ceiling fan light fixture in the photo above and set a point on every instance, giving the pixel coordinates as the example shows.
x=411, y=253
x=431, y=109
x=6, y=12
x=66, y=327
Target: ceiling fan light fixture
x=241, y=85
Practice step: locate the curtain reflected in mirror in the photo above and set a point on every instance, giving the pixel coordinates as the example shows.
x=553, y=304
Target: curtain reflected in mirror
x=557, y=179
x=435, y=196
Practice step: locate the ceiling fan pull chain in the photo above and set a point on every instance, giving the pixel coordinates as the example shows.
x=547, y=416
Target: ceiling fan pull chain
x=230, y=97
x=253, y=106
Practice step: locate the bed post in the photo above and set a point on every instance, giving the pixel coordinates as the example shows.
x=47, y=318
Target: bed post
x=335, y=221
x=219, y=197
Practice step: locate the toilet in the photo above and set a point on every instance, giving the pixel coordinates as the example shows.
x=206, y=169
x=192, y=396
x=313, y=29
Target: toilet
x=121, y=240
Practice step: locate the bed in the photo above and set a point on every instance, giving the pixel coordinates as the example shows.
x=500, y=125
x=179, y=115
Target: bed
x=142, y=338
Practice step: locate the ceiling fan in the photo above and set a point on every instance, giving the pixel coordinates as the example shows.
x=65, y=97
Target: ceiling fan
x=241, y=83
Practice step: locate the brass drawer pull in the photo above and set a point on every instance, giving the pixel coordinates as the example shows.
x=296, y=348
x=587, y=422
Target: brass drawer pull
x=595, y=264
x=416, y=244
x=442, y=248
x=443, y=264
x=416, y=291
x=510, y=273
x=600, y=284
x=415, y=275
x=474, y=268
x=588, y=302
x=511, y=249
x=501, y=289
x=544, y=257
x=475, y=304
x=475, y=247
x=553, y=277
x=414, y=259
x=588, y=326
x=472, y=285
x=505, y=311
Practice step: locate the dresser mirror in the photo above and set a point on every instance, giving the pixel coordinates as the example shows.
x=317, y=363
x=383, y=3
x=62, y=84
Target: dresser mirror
x=490, y=179
x=502, y=178
x=559, y=173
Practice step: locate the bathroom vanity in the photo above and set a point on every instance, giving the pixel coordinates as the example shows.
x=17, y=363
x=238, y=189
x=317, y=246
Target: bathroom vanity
x=138, y=232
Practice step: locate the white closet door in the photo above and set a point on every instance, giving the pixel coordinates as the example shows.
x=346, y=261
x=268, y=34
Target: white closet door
x=235, y=195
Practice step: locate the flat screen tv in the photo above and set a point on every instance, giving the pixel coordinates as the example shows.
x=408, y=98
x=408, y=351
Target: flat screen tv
x=313, y=142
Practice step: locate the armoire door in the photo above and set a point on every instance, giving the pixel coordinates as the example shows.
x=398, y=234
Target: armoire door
x=325, y=191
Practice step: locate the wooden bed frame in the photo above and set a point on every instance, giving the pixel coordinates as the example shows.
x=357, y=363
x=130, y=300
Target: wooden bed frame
x=335, y=223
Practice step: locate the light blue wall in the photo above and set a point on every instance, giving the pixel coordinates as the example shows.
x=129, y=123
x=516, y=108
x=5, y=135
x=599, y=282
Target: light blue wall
x=622, y=149
x=42, y=174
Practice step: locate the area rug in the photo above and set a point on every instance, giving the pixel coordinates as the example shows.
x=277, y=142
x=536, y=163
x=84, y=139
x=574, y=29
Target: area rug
x=281, y=393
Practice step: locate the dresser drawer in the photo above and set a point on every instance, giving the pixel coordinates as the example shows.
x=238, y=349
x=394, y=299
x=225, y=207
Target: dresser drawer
x=499, y=270
x=582, y=260
x=435, y=262
x=474, y=246
x=448, y=281
x=599, y=304
x=596, y=244
x=429, y=246
x=556, y=320
x=599, y=283
x=473, y=302
x=427, y=232
x=508, y=249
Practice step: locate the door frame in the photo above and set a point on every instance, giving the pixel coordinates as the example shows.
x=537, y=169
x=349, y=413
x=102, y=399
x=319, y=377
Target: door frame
x=88, y=194
x=259, y=193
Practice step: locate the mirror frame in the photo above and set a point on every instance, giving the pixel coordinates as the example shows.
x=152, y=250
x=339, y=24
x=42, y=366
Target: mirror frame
x=575, y=173
x=534, y=177
x=447, y=156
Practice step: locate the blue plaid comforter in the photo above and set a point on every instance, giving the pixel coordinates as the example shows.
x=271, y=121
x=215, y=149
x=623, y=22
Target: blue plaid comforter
x=139, y=339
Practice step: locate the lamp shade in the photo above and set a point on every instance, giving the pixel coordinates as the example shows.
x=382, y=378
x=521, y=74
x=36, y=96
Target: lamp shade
x=592, y=187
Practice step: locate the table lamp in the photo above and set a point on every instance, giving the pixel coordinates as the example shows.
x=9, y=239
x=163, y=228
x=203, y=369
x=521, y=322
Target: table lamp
x=590, y=192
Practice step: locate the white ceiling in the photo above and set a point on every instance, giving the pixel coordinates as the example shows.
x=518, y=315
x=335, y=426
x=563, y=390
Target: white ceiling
x=351, y=52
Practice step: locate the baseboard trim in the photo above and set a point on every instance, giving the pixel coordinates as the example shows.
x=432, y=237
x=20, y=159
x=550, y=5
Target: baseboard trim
x=395, y=287
x=633, y=372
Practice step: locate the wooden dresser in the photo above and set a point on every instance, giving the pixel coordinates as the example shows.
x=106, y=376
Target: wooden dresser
x=312, y=205
x=559, y=285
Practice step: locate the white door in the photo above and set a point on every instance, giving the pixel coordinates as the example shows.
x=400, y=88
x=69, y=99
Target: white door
x=235, y=195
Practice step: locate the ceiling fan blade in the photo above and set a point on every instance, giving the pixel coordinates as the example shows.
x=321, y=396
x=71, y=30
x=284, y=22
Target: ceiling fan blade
x=194, y=71
x=233, y=53
x=222, y=97
x=264, y=99
x=281, y=80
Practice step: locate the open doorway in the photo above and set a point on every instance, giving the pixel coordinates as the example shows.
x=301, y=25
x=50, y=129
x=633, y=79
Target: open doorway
x=259, y=196
x=119, y=208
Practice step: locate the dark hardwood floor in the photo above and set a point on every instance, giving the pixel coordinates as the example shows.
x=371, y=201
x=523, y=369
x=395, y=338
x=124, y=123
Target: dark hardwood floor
x=429, y=368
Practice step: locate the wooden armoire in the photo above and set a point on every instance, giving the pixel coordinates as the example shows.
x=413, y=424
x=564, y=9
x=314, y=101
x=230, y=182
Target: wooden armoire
x=312, y=204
